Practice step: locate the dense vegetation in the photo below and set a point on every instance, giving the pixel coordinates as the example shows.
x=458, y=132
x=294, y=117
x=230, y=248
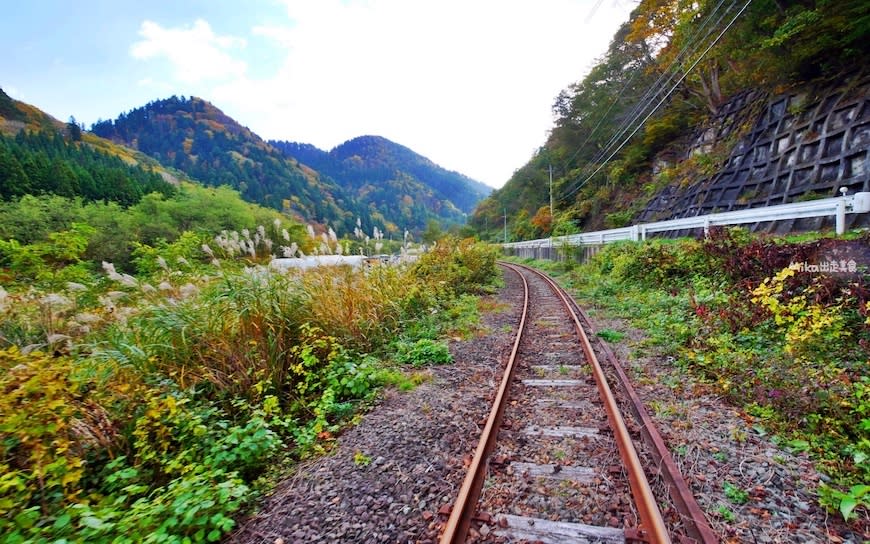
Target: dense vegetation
x=788, y=345
x=154, y=373
x=597, y=184
x=42, y=236
x=48, y=163
x=153, y=407
x=396, y=183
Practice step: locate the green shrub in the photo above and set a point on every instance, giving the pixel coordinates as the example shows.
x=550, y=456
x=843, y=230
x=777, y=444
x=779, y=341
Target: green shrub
x=423, y=352
x=182, y=471
x=461, y=266
x=618, y=219
x=611, y=335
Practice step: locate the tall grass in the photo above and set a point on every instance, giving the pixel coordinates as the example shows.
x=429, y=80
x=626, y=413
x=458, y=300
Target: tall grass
x=196, y=385
x=242, y=330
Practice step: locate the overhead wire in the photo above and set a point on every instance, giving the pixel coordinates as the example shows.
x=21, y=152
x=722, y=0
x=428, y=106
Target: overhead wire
x=659, y=85
x=643, y=100
x=654, y=109
x=655, y=90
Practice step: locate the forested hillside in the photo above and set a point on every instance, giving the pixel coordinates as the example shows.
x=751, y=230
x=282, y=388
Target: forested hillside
x=395, y=183
x=40, y=155
x=369, y=179
x=621, y=134
x=70, y=200
x=47, y=163
x=197, y=138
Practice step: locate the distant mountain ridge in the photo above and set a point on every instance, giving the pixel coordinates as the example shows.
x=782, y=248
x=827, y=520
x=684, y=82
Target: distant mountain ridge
x=195, y=137
x=389, y=176
x=380, y=182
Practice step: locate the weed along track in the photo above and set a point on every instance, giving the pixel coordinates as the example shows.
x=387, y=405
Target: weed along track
x=555, y=462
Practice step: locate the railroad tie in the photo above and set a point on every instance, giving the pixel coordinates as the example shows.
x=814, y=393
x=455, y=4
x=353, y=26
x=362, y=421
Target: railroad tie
x=553, y=383
x=560, y=431
x=555, y=532
x=581, y=475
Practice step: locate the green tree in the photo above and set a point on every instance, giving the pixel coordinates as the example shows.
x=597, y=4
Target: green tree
x=14, y=181
x=433, y=231
x=74, y=130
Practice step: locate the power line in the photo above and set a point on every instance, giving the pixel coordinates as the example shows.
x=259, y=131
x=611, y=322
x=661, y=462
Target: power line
x=653, y=89
x=593, y=10
x=659, y=85
x=683, y=77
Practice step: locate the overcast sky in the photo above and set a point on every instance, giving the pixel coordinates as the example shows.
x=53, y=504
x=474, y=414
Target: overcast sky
x=466, y=83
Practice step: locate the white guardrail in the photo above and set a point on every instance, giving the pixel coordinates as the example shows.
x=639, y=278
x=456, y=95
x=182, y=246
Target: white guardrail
x=838, y=207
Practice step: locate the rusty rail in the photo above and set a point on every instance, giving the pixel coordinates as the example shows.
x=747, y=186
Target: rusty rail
x=652, y=527
x=693, y=517
x=456, y=529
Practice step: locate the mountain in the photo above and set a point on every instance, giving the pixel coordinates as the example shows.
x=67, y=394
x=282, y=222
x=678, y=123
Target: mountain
x=15, y=116
x=195, y=137
x=41, y=155
x=395, y=182
x=369, y=179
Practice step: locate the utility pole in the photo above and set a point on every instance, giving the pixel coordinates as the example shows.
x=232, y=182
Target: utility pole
x=551, y=190
x=552, y=217
x=505, y=225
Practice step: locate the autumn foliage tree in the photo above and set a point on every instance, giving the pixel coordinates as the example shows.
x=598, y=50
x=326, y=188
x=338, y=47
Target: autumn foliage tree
x=543, y=220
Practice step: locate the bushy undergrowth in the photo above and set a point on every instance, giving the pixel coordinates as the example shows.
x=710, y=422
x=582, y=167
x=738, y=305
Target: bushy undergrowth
x=150, y=408
x=788, y=342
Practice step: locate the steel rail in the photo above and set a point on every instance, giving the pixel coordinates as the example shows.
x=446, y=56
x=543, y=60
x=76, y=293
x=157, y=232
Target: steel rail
x=693, y=517
x=652, y=524
x=459, y=522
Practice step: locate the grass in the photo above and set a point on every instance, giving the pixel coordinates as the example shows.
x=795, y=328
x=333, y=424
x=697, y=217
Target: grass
x=402, y=380
x=491, y=305
x=735, y=494
x=611, y=335
x=361, y=460
x=423, y=352
x=464, y=317
x=726, y=513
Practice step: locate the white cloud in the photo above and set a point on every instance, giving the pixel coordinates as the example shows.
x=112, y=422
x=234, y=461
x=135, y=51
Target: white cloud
x=196, y=53
x=468, y=84
x=282, y=35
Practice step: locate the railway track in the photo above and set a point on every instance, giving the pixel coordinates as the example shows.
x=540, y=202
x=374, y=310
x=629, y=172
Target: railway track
x=555, y=461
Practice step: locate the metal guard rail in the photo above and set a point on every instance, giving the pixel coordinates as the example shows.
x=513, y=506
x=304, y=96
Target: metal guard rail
x=837, y=206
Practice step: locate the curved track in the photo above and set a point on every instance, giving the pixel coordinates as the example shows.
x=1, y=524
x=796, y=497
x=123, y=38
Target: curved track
x=555, y=461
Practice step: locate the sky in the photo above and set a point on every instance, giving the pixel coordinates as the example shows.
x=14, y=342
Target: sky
x=468, y=84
